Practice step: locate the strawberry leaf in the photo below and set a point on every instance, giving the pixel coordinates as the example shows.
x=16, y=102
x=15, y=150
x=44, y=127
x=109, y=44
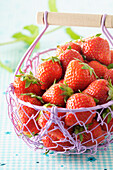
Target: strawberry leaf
x=110, y=93
x=52, y=6
x=69, y=48
x=5, y=67
x=34, y=31
x=72, y=34
x=96, y=100
x=27, y=83
x=110, y=66
x=91, y=70
x=109, y=118
x=81, y=137
x=98, y=35
x=40, y=113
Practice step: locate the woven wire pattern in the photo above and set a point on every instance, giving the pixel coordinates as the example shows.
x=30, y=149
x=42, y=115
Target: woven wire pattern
x=69, y=142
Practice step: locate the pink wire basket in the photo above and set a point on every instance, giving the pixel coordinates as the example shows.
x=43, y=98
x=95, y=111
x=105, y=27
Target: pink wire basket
x=69, y=143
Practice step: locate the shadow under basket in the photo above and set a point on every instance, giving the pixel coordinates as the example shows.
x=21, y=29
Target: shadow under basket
x=65, y=141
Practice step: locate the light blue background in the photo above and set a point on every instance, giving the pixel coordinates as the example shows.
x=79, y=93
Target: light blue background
x=14, y=15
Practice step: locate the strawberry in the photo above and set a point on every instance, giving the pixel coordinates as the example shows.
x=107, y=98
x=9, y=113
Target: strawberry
x=100, y=89
x=109, y=75
x=25, y=113
x=56, y=143
x=79, y=100
x=44, y=116
x=57, y=94
x=111, y=55
x=69, y=45
x=97, y=48
x=26, y=83
x=99, y=68
x=55, y=139
x=107, y=119
x=94, y=133
x=79, y=75
x=49, y=71
x=67, y=56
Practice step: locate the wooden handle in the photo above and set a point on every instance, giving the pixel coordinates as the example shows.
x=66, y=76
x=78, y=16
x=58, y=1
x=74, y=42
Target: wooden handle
x=75, y=19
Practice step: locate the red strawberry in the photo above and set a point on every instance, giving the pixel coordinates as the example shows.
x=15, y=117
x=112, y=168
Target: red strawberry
x=49, y=71
x=111, y=55
x=44, y=116
x=79, y=75
x=109, y=75
x=55, y=140
x=107, y=119
x=69, y=45
x=97, y=48
x=99, y=69
x=57, y=94
x=26, y=83
x=101, y=90
x=86, y=138
x=67, y=56
x=56, y=143
x=79, y=100
x=25, y=113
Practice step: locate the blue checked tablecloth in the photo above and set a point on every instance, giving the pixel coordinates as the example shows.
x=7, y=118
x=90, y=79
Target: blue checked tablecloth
x=14, y=153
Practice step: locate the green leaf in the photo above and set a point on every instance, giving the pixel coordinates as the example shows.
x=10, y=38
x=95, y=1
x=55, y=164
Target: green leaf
x=96, y=100
x=39, y=115
x=52, y=5
x=81, y=137
x=72, y=34
x=6, y=67
x=27, y=84
x=109, y=118
x=34, y=31
x=98, y=35
x=69, y=48
x=110, y=66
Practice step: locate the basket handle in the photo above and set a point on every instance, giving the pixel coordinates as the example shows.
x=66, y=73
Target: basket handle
x=75, y=19
x=32, y=46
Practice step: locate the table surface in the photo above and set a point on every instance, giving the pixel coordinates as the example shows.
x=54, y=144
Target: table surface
x=14, y=153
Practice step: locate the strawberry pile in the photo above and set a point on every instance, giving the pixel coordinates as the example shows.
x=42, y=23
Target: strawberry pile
x=79, y=76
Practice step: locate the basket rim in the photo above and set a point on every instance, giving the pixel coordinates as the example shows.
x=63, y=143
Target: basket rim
x=62, y=109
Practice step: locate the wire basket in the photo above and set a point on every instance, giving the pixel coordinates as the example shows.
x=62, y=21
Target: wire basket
x=69, y=142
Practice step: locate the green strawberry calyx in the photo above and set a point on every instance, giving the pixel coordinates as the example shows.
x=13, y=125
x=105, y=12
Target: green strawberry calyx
x=110, y=92
x=33, y=96
x=41, y=112
x=87, y=67
x=105, y=112
x=28, y=78
x=67, y=90
x=97, y=35
x=78, y=129
x=53, y=59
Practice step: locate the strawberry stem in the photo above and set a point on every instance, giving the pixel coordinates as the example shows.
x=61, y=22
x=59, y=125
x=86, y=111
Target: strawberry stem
x=33, y=96
x=91, y=70
x=53, y=59
x=110, y=93
x=28, y=78
x=67, y=90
